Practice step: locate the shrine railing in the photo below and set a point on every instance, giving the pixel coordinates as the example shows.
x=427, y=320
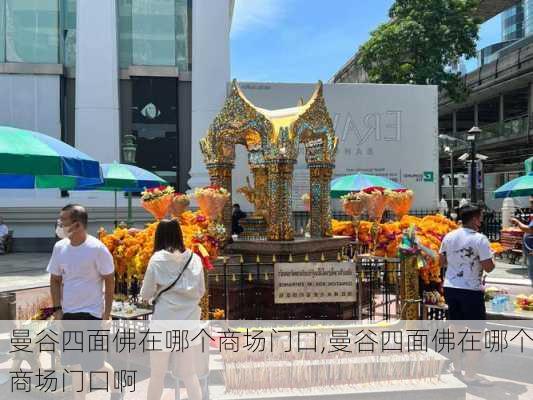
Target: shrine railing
x=246, y=291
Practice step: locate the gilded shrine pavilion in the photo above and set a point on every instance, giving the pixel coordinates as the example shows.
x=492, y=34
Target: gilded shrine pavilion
x=272, y=139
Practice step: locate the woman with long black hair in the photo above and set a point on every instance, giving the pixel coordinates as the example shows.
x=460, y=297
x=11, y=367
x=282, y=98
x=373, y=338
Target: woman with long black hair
x=174, y=283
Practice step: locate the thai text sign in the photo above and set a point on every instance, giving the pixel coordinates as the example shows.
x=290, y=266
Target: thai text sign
x=324, y=282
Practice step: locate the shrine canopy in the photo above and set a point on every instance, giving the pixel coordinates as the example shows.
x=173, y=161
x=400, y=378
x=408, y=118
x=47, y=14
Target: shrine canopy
x=272, y=139
x=270, y=134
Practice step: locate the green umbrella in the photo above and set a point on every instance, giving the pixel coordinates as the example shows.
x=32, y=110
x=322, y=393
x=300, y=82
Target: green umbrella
x=30, y=160
x=356, y=183
x=125, y=178
x=522, y=186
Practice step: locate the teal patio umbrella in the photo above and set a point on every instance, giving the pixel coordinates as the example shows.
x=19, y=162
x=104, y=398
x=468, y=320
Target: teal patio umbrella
x=355, y=183
x=521, y=186
x=32, y=160
x=125, y=178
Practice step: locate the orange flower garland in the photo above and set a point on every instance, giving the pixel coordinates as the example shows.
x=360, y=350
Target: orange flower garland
x=132, y=249
x=430, y=231
x=497, y=247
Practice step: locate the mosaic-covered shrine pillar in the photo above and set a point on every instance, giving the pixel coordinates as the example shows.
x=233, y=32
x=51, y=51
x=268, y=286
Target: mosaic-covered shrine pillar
x=260, y=174
x=280, y=199
x=319, y=180
x=220, y=174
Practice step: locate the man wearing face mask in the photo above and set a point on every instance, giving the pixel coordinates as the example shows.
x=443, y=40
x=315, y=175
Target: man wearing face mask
x=80, y=267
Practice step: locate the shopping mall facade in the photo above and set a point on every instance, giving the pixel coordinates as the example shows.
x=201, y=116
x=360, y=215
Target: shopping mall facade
x=90, y=72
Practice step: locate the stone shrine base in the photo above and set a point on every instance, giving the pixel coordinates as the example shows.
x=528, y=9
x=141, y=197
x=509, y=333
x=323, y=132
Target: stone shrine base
x=243, y=282
x=315, y=249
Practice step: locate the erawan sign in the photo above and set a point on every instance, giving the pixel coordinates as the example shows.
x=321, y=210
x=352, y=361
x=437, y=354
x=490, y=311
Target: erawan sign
x=386, y=130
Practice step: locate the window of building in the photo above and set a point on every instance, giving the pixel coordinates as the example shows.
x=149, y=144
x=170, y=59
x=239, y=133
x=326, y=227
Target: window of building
x=528, y=17
x=32, y=31
x=154, y=123
x=124, y=34
x=68, y=13
x=154, y=33
x=182, y=35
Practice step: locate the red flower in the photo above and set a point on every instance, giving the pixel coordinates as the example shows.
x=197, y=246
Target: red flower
x=373, y=189
x=213, y=187
x=400, y=190
x=200, y=219
x=207, y=264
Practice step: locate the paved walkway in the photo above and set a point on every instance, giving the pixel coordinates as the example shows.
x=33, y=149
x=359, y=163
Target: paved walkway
x=23, y=271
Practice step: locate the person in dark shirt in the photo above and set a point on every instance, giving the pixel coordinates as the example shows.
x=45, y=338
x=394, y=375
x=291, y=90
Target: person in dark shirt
x=237, y=214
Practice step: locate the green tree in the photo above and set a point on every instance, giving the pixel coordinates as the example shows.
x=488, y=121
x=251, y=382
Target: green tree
x=419, y=43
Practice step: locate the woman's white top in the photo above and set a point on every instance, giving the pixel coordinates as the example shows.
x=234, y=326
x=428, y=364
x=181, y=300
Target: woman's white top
x=181, y=301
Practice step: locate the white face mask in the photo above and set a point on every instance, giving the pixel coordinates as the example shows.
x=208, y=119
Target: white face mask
x=61, y=232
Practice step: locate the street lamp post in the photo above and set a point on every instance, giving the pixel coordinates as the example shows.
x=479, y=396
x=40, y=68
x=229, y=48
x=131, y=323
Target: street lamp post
x=449, y=150
x=471, y=137
x=129, y=150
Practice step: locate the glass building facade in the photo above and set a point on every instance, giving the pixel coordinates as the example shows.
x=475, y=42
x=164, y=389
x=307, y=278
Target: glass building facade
x=154, y=33
x=513, y=23
x=151, y=32
x=517, y=21
x=528, y=17
x=29, y=31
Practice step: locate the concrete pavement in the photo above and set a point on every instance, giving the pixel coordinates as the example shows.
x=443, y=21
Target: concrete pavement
x=23, y=271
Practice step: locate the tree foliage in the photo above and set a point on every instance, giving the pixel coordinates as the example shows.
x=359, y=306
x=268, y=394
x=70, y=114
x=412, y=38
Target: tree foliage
x=419, y=43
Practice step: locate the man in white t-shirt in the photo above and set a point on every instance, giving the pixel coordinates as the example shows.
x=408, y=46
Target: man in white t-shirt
x=82, y=284
x=466, y=254
x=80, y=267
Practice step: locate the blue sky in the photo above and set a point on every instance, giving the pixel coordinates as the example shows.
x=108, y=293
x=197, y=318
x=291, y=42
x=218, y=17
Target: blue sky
x=307, y=40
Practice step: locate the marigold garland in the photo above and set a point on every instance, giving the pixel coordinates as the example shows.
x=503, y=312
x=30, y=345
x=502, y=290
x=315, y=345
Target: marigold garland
x=430, y=231
x=132, y=249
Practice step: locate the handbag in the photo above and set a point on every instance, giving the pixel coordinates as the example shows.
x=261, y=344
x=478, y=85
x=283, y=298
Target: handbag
x=158, y=295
